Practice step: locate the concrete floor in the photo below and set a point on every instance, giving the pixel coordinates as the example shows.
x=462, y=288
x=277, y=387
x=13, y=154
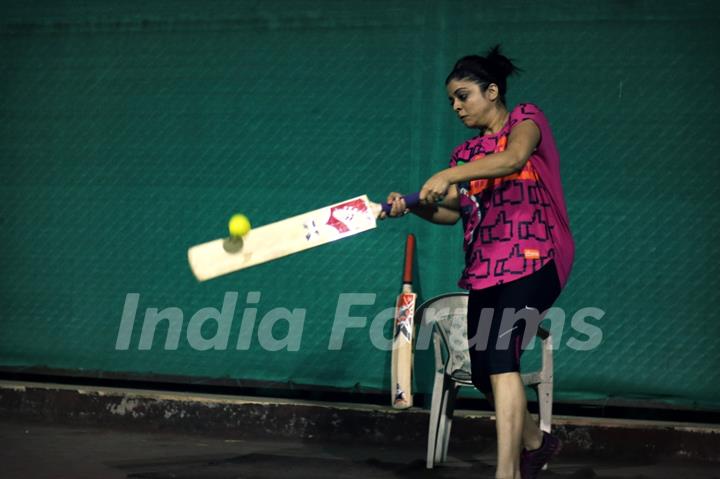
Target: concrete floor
x=42, y=451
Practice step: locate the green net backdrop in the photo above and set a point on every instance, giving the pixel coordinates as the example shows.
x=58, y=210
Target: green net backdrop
x=130, y=131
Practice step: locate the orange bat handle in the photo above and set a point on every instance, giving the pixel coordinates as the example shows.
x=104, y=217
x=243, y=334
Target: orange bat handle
x=409, y=253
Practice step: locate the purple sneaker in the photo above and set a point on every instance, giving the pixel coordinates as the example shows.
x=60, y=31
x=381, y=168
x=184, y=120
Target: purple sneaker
x=532, y=462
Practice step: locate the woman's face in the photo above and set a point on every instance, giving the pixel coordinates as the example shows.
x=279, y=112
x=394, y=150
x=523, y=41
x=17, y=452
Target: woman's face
x=473, y=106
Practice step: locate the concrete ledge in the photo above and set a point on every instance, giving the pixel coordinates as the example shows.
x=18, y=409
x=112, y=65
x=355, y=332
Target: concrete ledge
x=260, y=418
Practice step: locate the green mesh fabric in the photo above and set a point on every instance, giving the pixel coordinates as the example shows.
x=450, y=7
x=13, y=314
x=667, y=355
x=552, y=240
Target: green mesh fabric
x=130, y=131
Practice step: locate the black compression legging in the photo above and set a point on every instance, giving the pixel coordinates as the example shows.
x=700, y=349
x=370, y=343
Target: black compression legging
x=500, y=315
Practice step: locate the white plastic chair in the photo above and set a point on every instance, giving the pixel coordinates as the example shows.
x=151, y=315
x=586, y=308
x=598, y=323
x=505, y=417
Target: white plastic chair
x=447, y=316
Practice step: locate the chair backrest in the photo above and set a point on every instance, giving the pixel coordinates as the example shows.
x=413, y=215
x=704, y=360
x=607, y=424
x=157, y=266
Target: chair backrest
x=447, y=314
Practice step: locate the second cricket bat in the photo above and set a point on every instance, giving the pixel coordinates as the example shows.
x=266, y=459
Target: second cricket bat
x=225, y=255
x=402, y=348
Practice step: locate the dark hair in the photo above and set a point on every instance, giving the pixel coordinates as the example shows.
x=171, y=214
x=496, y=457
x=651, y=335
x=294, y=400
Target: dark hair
x=494, y=67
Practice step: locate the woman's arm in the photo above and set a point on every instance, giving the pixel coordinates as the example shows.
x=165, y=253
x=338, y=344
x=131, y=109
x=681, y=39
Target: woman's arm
x=446, y=212
x=522, y=141
x=439, y=198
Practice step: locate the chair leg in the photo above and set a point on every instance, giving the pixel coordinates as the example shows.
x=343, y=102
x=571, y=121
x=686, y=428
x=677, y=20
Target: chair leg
x=448, y=411
x=442, y=419
x=545, y=404
x=435, y=414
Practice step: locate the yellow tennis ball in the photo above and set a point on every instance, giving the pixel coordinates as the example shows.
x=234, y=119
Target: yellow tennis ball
x=239, y=225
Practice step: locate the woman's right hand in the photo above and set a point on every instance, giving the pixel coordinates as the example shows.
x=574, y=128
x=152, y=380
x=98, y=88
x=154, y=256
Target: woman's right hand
x=398, y=206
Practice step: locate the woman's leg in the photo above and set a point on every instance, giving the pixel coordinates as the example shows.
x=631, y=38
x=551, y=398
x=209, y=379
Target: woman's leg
x=510, y=412
x=496, y=363
x=531, y=435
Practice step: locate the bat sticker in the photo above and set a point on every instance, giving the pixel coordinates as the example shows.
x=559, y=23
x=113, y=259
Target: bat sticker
x=399, y=393
x=311, y=230
x=343, y=216
x=406, y=313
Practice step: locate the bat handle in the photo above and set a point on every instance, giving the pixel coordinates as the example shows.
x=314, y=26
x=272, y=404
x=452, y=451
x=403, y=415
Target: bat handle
x=409, y=254
x=411, y=201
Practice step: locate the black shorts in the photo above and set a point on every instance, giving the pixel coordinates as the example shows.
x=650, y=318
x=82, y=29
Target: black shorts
x=498, y=318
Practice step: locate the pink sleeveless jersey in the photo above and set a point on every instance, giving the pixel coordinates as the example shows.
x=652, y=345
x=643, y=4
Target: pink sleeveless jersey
x=516, y=224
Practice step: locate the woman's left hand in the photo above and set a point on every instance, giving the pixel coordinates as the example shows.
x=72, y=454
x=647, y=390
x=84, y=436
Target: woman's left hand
x=435, y=189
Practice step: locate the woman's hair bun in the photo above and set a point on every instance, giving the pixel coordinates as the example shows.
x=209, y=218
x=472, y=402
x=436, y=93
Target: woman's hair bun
x=498, y=64
x=494, y=67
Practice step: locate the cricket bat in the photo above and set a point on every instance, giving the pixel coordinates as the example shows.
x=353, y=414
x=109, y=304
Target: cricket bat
x=402, y=351
x=292, y=235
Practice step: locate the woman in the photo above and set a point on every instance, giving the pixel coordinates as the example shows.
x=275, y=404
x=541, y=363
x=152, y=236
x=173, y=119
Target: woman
x=505, y=185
